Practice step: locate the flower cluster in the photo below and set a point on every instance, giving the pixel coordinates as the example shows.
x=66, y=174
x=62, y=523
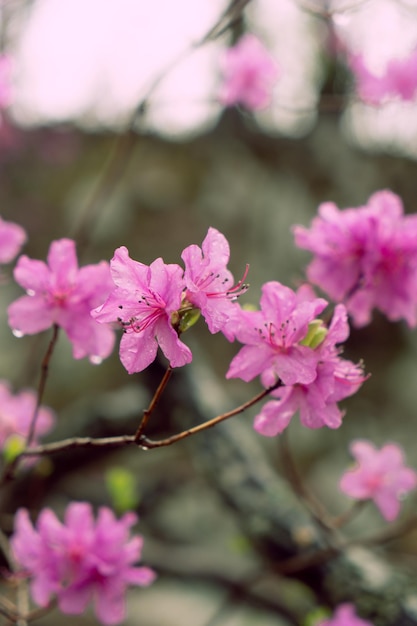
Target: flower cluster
x=285, y=342
x=399, y=79
x=345, y=615
x=61, y=293
x=249, y=74
x=381, y=476
x=365, y=257
x=16, y=412
x=153, y=303
x=81, y=560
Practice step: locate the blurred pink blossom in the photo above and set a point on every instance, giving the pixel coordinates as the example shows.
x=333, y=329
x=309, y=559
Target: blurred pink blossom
x=12, y=238
x=345, y=615
x=61, y=293
x=381, y=475
x=399, y=79
x=145, y=302
x=365, y=257
x=249, y=74
x=209, y=284
x=82, y=560
x=16, y=411
x=336, y=379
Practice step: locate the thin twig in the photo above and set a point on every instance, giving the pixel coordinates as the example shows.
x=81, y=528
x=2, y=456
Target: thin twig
x=347, y=516
x=147, y=443
x=143, y=442
x=312, y=503
x=147, y=412
x=42, y=383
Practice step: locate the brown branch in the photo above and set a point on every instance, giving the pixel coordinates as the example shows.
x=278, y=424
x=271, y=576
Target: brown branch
x=42, y=383
x=142, y=441
x=147, y=443
x=147, y=413
x=78, y=442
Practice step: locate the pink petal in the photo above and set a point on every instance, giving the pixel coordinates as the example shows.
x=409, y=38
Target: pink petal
x=31, y=274
x=138, y=350
x=63, y=264
x=249, y=362
x=173, y=348
x=30, y=315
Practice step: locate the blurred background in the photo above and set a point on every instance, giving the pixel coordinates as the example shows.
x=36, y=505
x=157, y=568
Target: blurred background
x=112, y=133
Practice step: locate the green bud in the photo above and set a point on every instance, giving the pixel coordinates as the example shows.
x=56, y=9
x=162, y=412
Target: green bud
x=187, y=319
x=14, y=445
x=315, y=335
x=248, y=306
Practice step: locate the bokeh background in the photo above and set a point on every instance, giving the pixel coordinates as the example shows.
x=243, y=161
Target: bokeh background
x=114, y=136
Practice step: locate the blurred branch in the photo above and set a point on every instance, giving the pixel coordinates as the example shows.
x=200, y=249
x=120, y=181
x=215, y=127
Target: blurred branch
x=281, y=529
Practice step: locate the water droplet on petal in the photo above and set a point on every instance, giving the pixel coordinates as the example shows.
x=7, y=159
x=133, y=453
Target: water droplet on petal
x=17, y=333
x=95, y=359
x=30, y=292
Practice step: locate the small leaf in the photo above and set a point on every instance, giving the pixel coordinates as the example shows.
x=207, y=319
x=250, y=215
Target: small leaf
x=123, y=489
x=317, y=615
x=15, y=444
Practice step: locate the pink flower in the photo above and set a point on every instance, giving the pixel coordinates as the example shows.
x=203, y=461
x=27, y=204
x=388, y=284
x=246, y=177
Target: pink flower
x=209, y=284
x=61, y=293
x=145, y=303
x=380, y=475
x=16, y=413
x=316, y=402
x=249, y=74
x=82, y=560
x=273, y=336
x=12, y=238
x=345, y=615
x=365, y=257
x=399, y=79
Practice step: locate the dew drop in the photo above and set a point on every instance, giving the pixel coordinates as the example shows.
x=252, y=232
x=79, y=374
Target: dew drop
x=142, y=447
x=30, y=292
x=17, y=333
x=96, y=360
